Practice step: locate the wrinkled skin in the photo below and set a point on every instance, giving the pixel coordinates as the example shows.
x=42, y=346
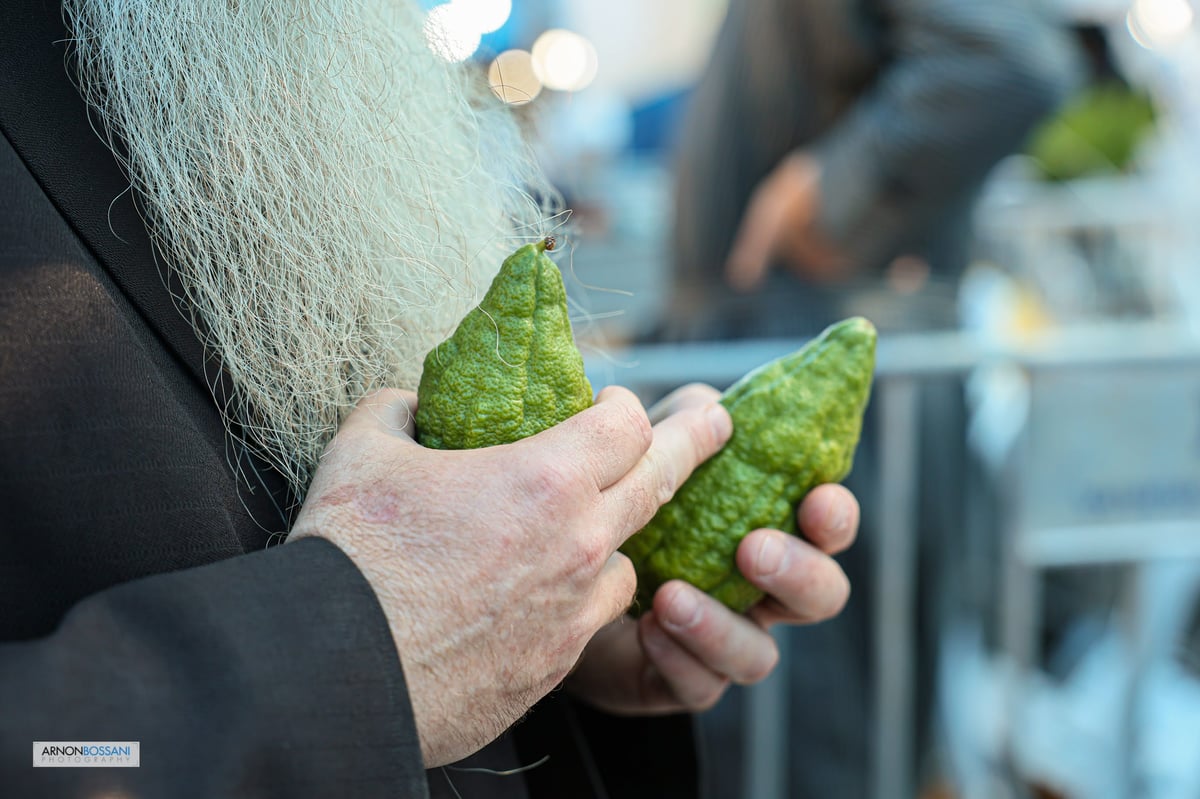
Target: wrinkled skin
x=496, y=567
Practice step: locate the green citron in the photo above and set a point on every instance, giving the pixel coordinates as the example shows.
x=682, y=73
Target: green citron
x=796, y=423
x=511, y=369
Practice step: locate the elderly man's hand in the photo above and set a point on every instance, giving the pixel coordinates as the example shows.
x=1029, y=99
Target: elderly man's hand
x=684, y=652
x=495, y=567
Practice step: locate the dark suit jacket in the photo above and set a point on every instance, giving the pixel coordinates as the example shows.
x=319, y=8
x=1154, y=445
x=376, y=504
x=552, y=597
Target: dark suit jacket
x=139, y=597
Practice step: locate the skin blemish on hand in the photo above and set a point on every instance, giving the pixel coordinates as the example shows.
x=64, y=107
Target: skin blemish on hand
x=373, y=503
x=379, y=506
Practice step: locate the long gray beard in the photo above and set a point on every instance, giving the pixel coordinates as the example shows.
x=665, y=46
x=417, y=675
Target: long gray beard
x=332, y=197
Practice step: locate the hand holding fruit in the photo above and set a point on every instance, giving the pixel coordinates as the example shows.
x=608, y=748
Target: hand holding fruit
x=512, y=369
x=687, y=648
x=496, y=566
x=497, y=561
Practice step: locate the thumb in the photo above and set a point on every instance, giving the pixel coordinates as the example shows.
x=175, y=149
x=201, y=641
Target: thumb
x=392, y=410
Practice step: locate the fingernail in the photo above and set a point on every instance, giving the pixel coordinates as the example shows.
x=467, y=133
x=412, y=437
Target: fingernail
x=722, y=423
x=771, y=554
x=683, y=611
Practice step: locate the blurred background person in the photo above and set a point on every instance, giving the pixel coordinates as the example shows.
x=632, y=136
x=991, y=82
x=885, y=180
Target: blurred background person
x=828, y=138
x=829, y=164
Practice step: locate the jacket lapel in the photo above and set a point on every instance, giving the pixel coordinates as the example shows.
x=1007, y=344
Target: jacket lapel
x=46, y=121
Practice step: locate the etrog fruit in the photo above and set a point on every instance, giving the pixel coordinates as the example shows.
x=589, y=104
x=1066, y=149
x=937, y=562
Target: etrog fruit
x=511, y=369
x=796, y=424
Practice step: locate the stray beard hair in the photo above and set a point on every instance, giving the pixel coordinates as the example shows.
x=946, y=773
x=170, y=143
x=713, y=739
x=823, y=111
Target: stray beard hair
x=330, y=195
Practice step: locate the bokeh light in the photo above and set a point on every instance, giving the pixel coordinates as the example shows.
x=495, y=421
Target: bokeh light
x=564, y=60
x=487, y=15
x=1159, y=23
x=452, y=32
x=512, y=77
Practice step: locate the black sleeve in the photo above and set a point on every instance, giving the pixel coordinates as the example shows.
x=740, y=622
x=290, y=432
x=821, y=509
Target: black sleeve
x=271, y=674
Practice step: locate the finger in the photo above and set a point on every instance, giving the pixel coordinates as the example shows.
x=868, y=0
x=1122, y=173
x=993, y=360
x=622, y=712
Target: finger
x=675, y=676
x=724, y=641
x=610, y=671
x=828, y=517
x=607, y=440
x=808, y=585
x=613, y=591
x=769, y=612
x=681, y=443
x=391, y=409
x=755, y=241
x=692, y=395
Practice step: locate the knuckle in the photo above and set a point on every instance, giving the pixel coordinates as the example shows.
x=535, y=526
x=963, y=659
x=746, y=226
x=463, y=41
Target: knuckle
x=351, y=438
x=638, y=424
x=664, y=479
x=629, y=419
x=626, y=580
x=642, y=504
x=593, y=554
x=548, y=481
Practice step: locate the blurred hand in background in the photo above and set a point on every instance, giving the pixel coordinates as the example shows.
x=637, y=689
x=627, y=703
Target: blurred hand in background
x=780, y=224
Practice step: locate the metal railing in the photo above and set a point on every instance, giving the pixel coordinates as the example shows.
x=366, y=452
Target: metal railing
x=903, y=362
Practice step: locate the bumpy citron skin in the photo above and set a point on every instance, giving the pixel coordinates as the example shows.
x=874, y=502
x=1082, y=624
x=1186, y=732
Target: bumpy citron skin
x=511, y=369
x=796, y=423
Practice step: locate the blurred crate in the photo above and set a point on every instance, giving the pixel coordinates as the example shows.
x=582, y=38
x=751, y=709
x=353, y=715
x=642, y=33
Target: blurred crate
x=1119, y=247
x=1111, y=464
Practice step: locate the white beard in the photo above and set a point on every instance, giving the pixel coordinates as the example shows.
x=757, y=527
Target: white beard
x=332, y=197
